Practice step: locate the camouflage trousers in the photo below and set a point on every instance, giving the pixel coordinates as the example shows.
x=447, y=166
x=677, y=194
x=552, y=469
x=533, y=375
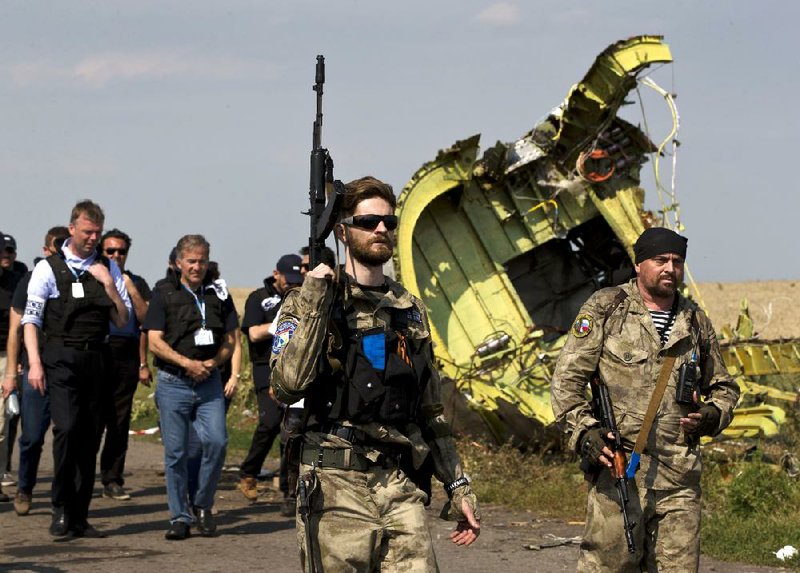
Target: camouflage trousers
x=666, y=532
x=365, y=521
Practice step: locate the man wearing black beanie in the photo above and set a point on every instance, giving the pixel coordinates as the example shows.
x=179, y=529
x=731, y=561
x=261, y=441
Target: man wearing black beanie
x=657, y=353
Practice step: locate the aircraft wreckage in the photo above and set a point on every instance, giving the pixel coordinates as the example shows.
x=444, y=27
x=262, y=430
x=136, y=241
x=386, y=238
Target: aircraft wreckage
x=505, y=248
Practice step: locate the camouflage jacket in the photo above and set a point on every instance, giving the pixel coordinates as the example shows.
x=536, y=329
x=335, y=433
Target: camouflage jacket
x=302, y=338
x=625, y=349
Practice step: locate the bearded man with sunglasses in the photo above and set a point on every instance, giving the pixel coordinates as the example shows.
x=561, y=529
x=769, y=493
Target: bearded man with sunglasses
x=128, y=367
x=357, y=348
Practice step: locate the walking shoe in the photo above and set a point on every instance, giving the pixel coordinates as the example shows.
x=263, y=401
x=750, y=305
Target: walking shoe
x=85, y=530
x=249, y=487
x=114, y=491
x=205, y=522
x=22, y=503
x=60, y=525
x=7, y=480
x=178, y=531
x=289, y=507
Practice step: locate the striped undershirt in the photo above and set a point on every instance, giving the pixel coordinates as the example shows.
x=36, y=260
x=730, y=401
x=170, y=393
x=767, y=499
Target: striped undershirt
x=663, y=321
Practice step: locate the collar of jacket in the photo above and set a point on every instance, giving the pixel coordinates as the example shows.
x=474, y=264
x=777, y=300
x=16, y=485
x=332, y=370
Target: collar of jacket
x=682, y=327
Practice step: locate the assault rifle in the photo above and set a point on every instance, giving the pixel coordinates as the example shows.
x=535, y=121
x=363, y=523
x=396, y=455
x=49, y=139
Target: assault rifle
x=324, y=211
x=603, y=411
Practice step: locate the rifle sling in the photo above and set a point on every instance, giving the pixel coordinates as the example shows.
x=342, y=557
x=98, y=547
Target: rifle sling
x=650, y=415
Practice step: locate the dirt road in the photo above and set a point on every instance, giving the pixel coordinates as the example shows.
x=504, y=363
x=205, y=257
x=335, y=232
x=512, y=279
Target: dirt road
x=252, y=537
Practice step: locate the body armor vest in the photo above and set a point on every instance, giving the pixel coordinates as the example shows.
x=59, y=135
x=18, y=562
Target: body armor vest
x=183, y=319
x=76, y=320
x=351, y=389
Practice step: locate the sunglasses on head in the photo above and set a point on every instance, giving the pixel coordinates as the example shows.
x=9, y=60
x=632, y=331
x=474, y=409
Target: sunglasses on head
x=122, y=252
x=371, y=222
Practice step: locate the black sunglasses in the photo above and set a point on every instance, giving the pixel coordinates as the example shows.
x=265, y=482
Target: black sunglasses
x=122, y=252
x=371, y=222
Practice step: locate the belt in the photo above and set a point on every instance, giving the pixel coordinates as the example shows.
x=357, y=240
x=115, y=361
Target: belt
x=343, y=459
x=352, y=435
x=85, y=345
x=175, y=370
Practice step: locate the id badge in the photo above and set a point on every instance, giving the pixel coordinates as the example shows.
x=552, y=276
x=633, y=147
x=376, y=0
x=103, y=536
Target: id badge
x=77, y=290
x=203, y=337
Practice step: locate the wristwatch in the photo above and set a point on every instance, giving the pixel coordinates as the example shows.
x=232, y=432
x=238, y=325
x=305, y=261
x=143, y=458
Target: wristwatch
x=143, y=365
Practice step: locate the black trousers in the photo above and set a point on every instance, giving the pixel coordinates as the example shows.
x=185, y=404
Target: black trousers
x=117, y=400
x=270, y=414
x=74, y=378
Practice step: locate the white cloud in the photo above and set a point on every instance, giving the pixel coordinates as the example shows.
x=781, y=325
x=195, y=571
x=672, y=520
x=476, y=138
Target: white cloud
x=499, y=14
x=97, y=70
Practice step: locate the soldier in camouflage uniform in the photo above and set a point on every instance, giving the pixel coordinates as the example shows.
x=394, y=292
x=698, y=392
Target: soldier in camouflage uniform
x=624, y=335
x=360, y=355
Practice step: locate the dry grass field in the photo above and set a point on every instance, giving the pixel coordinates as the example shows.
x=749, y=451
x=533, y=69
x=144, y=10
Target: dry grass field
x=774, y=305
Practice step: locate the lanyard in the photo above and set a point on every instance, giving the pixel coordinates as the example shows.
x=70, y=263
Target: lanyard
x=201, y=304
x=76, y=274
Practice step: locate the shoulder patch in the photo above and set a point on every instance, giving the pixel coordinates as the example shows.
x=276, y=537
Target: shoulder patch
x=270, y=302
x=582, y=326
x=220, y=288
x=283, y=334
x=414, y=315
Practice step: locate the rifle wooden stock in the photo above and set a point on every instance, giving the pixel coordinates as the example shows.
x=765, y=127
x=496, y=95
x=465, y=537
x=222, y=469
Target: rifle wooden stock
x=604, y=412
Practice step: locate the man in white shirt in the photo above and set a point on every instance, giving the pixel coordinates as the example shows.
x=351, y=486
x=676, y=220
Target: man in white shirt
x=72, y=298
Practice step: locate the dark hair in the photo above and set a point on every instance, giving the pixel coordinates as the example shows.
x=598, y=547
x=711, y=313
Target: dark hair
x=88, y=209
x=117, y=234
x=191, y=242
x=56, y=235
x=213, y=270
x=365, y=188
x=327, y=255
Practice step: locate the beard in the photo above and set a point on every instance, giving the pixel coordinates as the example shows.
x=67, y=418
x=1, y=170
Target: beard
x=372, y=252
x=660, y=290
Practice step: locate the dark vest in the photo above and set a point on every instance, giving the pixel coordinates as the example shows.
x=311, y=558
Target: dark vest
x=351, y=389
x=183, y=318
x=76, y=320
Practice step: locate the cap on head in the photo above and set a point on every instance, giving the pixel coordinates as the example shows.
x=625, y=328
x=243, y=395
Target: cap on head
x=8, y=242
x=289, y=267
x=658, y=241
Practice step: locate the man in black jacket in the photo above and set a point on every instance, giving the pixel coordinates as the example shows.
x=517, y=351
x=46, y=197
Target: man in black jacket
x=260, y=311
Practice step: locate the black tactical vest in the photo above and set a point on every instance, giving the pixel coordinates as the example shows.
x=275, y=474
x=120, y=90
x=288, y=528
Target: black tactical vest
x=183, y=319
x=351, y=389
x=76, y=320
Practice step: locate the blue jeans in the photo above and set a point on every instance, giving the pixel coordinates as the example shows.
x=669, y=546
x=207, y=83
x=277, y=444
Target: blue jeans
x=184, y=404
x=35, y=422
x=196, y=454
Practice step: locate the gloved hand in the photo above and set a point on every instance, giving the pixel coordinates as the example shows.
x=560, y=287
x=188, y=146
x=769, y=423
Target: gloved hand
x=704, y=422
x=592, y=443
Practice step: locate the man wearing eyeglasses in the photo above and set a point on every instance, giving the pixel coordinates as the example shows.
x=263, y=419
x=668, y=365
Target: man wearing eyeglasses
x=358, y=350
x=127, y=369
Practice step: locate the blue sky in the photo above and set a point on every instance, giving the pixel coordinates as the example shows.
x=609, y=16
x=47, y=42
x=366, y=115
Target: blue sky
x=183, y=117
